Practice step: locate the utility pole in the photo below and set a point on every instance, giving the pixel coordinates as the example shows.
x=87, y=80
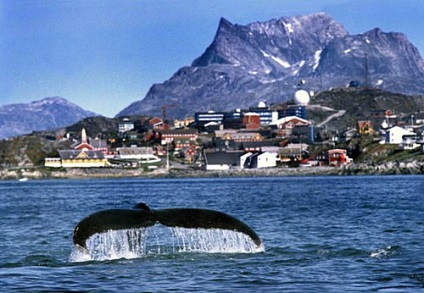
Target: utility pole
x=167, y=156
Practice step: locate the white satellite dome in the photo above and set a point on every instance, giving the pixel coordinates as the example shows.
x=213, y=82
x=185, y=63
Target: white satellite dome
x=301, y=97
x=262, y=104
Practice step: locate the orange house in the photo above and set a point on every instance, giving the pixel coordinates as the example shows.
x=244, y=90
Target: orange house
x=365, y=127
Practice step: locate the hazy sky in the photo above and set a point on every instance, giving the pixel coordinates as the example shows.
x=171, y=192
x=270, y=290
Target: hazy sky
x=104, y=55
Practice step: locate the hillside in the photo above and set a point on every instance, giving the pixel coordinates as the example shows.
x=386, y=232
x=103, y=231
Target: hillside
x=355, y=104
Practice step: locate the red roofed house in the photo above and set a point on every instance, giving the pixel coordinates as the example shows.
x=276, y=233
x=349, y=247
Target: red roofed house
x=287, y=124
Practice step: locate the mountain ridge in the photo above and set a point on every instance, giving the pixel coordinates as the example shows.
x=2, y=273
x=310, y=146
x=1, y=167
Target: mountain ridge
x=47, y=113
x=264, y=61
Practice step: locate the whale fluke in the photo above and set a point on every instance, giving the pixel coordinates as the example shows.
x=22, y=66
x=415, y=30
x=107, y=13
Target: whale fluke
x=142, y=206
x=143, y=216
x=201, y=218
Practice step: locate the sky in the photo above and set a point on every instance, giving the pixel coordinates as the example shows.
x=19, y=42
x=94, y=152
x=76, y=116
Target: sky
x=103, y=55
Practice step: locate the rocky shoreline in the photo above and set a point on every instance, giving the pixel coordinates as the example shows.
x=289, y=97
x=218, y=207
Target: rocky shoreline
x=387, y=168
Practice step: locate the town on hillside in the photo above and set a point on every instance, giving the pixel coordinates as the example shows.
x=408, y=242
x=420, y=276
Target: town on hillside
x=265, y=136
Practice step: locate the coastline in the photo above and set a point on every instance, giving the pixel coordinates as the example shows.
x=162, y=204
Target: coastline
x=389, y=168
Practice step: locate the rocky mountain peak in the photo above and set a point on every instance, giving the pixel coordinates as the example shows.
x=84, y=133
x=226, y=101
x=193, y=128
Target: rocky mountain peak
x=264, y=61
x=274, y=40
x=224, y=25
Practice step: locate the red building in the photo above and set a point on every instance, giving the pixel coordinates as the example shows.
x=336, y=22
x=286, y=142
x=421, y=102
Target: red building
x=252, y=120
x=338, y=157
x=169, y=136
x=93, y=145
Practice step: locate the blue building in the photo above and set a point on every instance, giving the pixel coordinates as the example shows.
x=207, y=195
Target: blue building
x=293, y=110
x=202, y=118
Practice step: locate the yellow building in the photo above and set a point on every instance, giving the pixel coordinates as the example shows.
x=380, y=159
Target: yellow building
x=78, y=159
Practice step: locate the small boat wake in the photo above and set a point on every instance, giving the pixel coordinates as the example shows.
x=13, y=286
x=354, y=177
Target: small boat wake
x=162, y=240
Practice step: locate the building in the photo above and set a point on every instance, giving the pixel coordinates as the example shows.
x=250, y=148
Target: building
x=90, y=145
x=202, y=118
x=303, y=134
x=156, y=123
x=220, y=133
x=266, y=115
x=409, y=142
x=78, y=159
x=365, y=127
x=244, y=162
x=53, y=162
x=259, y=146
x=134, y=152
x=293, y=110
x=221, y=160
x=211, y=127
x=99, y=145
x=395, y=135
x=338, y=157
x=243, y=136
x=297, y=107
x=83, y=144
x=258, y=160
x=189, y=154
x=234, y=120
x=170, y=135
x=125, y=125
x=184, y=142
x=286, y=125
x=252, y=120
x=82, y=155
x=348, y=135
x=183, y=123
x=293, y=152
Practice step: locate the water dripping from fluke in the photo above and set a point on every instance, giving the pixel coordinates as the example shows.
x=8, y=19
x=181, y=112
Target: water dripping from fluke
x=162, y=240
x=116, y=233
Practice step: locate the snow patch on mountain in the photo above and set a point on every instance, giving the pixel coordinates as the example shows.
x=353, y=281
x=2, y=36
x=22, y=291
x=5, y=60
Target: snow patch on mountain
x=317, y=58
x=283, y=63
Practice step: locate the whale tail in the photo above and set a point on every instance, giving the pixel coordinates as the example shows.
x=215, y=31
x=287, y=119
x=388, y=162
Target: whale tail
x=143, y=216
x=142, y=206
x=202, y=218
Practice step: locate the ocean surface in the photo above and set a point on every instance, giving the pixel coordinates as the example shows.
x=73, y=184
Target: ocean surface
x=320, y=234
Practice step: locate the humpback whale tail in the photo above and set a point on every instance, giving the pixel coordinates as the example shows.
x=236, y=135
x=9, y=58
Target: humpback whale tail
x=143, y=216
x=142, y=206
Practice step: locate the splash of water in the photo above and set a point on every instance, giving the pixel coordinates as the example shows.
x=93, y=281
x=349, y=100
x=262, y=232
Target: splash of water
x=384, y=252
x=114, y=244
x=134, y=243
x=212, y=241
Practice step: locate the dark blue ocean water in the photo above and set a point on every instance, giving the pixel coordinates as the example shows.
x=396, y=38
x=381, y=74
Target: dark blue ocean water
x=321, y=234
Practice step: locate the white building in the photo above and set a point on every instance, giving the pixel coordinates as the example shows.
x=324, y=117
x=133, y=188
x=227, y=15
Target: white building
x=258, y=160
x=409, y=142
x=125, y=125
x=243, y=159
x=267, y=160
x=394, y=135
